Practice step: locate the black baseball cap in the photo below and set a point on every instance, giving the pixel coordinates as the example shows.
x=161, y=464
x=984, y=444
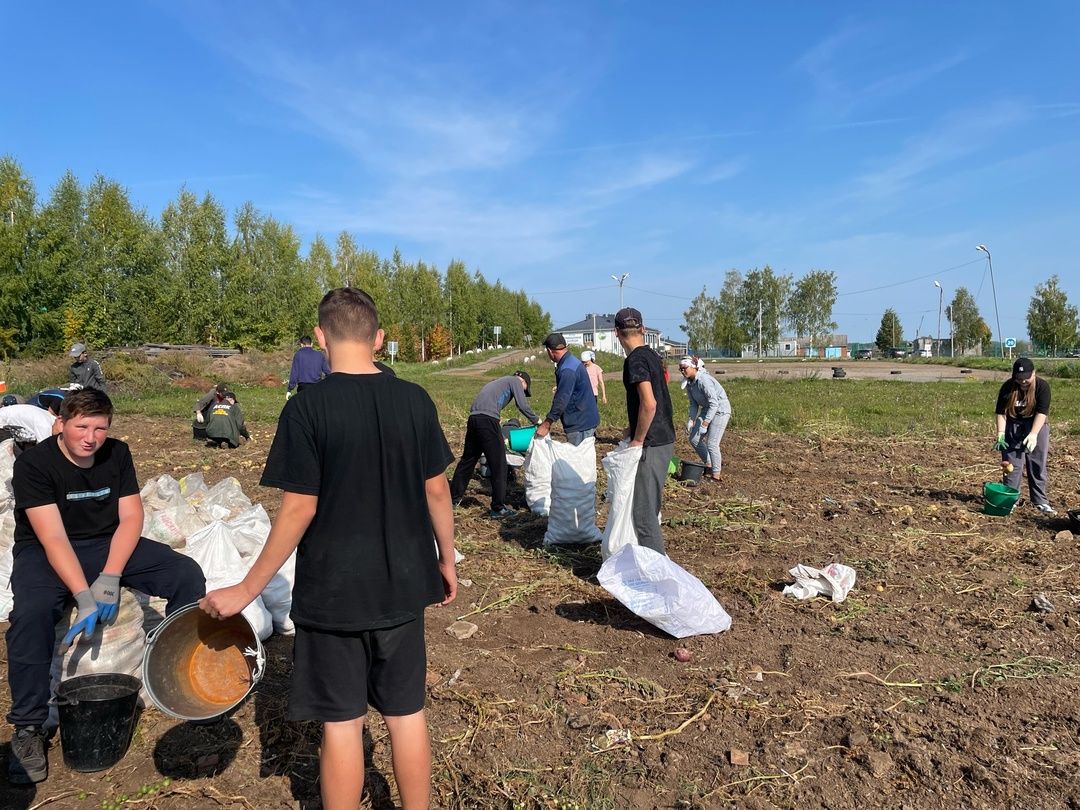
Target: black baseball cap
x=1023, y=368
x=628, y=318
x=528, y=381
x=555, y=341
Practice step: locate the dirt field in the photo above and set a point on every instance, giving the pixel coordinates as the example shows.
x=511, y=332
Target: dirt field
x=933, y=685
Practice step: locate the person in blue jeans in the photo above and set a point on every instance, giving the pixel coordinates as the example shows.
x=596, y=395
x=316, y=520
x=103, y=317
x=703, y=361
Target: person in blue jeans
x=574, y=402
x=78, y=520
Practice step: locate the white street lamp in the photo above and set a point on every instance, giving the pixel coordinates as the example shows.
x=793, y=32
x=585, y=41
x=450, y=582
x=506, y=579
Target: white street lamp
x=940, y=295
x=621, y=279
x=993, y=287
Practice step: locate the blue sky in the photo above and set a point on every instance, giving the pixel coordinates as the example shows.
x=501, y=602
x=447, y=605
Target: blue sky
x=554, y=144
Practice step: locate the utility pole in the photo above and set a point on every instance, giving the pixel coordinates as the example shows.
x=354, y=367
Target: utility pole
x=940, y=293
x=997, y=318
x=759, y=330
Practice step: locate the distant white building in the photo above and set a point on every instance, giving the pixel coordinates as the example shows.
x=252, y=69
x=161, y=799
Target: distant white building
x=597, y=332
x=830, y=347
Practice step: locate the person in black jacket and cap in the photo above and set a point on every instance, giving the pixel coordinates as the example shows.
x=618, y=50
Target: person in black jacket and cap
x=84, y=372
x=1023, y=431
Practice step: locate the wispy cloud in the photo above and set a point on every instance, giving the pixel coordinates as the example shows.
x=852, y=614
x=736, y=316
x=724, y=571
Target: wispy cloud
x=719, y=172
x=645, y=172
x=846, y=74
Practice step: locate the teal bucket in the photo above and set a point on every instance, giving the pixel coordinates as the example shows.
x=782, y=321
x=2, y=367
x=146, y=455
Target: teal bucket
x=998, y=499
x=521, y=438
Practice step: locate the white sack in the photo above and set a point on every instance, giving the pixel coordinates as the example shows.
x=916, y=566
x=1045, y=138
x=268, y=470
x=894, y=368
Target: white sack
x=538, y=463
x=193, y=488
x=572, y=514
x=213, y=549
x=224, y=501
x=661, y=592
x=7, y=461
x=116, y=647
x=7, y=546
x=161, y=493
x=172, y=526
x=248, y=532
x=621, y=466
x=833, y=581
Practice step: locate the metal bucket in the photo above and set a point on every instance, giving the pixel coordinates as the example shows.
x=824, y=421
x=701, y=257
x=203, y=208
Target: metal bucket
x=196, y=667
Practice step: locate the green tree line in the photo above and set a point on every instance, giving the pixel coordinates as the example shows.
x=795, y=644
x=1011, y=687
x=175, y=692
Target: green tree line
x=761, y=302
x=87, y=264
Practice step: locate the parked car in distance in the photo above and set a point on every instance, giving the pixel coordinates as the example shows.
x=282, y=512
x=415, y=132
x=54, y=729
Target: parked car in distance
x=863, y=354
x=894, y=352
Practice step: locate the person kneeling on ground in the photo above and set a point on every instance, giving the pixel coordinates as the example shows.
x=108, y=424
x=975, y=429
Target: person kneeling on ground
x=483, y=435
x=203, y=408
x=226, y=423
x=362, y=460
x=78, y=516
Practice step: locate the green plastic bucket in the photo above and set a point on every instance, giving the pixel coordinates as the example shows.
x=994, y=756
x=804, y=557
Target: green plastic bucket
x=520, y=438
x=999, y=499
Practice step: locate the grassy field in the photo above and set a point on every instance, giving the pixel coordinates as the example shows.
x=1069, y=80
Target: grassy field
x=818, y=405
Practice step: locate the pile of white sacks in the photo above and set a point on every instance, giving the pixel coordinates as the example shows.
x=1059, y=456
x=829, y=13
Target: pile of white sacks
x=217, y=526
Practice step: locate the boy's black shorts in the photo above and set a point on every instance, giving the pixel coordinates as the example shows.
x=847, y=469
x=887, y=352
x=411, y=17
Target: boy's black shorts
x=337, y=674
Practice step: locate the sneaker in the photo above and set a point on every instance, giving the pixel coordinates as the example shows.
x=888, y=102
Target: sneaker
x=501, y=512
x=1046, y=508
x=28, y=763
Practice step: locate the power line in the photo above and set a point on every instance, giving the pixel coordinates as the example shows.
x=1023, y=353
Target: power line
x=910, y=280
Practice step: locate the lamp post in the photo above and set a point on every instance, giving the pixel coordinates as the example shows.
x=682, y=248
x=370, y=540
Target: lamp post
x=940, y=295
x=621, y=279
x=993, y=287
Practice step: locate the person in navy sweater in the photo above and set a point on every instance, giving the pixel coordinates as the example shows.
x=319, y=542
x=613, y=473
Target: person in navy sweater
x=308, y=367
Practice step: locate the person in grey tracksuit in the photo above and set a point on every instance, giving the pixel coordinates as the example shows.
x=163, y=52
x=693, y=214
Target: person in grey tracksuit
x=710, y=411
x=1023, y=431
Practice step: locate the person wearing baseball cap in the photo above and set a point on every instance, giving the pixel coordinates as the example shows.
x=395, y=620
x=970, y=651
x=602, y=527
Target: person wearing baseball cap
x=84, y=372
x=1023, y=431
x=574, y=402
x=648, y=411
x=483, y=436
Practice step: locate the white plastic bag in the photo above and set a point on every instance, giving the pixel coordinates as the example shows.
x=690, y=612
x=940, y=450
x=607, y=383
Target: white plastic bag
x=572, y=513
x=213, y=549
x=249, y=531
x=661, y=592
x=621, y=466
x=7, y=461
x=833, y=581
x=538, y=463
x=225, y=500
x=174, y=525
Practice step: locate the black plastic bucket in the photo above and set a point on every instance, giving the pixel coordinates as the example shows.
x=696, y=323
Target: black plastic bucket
x=692, y=472
x=97, y=718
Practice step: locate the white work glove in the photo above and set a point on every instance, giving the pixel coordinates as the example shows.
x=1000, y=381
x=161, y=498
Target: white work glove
x=199, y=417
x=288, y=395
x=690, y=425
x=1030, y=441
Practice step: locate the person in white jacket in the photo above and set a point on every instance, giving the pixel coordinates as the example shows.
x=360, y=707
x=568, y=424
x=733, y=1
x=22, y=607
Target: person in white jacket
x=710, y=411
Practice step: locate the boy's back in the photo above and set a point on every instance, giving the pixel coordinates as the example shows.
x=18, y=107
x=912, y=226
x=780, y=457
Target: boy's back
x=365, y=444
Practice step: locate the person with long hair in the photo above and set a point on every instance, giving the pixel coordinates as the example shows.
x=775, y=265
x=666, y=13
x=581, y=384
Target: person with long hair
x=710, y=411
x=1023, y=431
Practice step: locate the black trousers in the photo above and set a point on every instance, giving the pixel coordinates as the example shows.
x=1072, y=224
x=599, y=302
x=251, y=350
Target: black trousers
x=40, y=597
x=482, y=435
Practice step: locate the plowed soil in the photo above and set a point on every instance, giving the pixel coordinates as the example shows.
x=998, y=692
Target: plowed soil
x=934, y=684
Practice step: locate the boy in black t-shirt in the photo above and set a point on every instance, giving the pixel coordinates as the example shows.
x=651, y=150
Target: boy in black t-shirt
x=648, y=411
x=78, y=516
x=361, y=458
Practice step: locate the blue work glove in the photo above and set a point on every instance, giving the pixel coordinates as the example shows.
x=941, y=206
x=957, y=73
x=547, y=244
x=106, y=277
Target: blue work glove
x=106, y=591
x=86, y=621
x=1000, y=443
x=1030, y=441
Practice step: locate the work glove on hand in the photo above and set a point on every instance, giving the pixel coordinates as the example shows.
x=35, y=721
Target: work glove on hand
x=690, y=425
x=106, y=591
x=87, y=619
x=199, y=417
x=1030, y=441
x=1000, y=443
x=288, y=395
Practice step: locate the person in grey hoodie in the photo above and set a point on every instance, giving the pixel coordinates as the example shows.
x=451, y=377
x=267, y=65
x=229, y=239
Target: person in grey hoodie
x=710, y=411
x=483, y=434
x=85, y=372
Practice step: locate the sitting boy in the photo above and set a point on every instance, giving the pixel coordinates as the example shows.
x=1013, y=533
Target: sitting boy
x=78, y=516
